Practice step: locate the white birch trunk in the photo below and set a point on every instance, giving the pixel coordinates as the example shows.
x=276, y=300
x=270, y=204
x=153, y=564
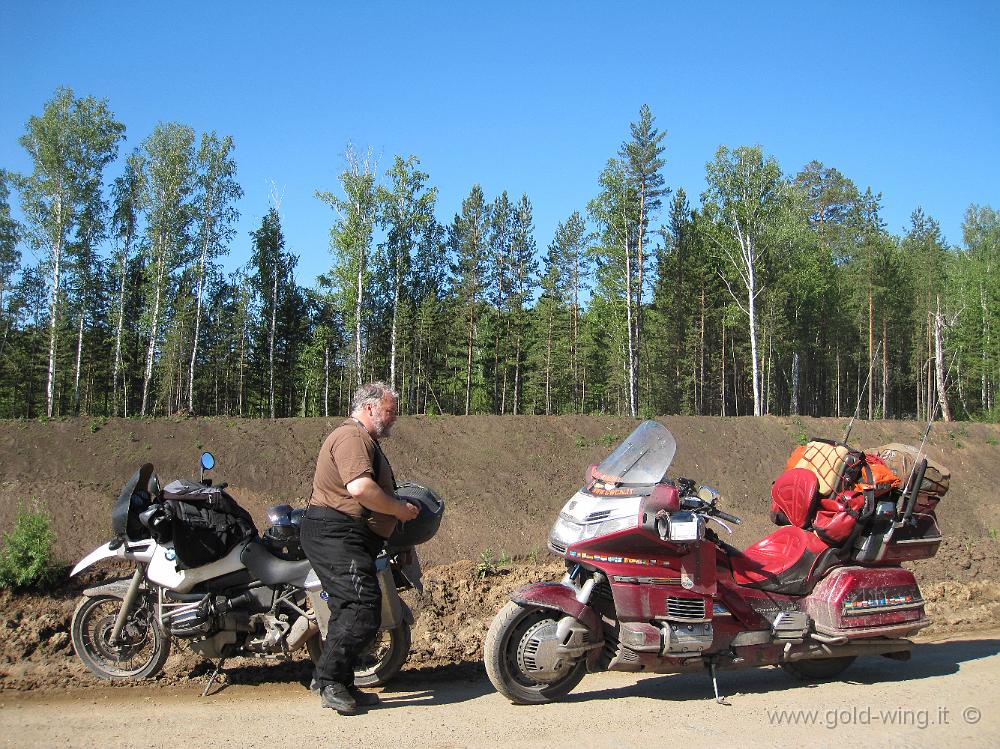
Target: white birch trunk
x=939, y=369
x=79, y=360
x=50, y=390
x=154, y=330
x=120, y=325
x=197, y=322
x=630, y=365
x=326, y=381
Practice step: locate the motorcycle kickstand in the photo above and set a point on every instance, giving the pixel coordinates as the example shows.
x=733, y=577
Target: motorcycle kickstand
x=211, y=679
x=715, y=684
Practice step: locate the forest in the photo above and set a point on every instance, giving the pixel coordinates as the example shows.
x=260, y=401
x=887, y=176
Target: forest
x=772, y=292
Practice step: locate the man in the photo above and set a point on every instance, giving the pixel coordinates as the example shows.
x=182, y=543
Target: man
x=353, y=509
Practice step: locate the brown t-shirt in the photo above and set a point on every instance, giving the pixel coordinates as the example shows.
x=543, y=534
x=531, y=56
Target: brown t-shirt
x=348, y=453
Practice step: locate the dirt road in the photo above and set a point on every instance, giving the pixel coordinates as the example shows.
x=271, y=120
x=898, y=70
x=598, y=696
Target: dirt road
x=949, y=692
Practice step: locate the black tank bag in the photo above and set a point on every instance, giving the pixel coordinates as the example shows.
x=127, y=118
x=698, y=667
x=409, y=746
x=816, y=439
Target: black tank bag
x=207, y=523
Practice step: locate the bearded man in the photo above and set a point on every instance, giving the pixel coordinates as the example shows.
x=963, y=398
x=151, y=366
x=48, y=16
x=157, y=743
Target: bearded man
x=352, y=511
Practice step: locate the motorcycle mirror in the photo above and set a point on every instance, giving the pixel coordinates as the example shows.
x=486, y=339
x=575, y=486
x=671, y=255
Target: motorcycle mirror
x=207, y=461
x=589, y=476
x=708, y=494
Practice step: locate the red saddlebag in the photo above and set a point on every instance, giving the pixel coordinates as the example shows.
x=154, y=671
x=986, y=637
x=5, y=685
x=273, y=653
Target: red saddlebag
x=838, y=516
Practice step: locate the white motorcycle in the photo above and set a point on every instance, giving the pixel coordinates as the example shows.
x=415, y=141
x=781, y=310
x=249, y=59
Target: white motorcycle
x=220, y=588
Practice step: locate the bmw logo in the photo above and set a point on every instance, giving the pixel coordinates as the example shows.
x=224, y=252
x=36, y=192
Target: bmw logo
x=324, y=596
x=170, y=554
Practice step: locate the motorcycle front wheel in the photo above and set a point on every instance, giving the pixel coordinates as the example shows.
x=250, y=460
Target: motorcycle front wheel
x=508, y=642
x=141, y=650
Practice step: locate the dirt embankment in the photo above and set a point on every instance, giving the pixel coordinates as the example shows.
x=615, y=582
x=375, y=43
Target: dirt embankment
x=504, y=480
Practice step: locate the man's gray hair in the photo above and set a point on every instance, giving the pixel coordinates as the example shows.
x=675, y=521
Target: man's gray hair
x=372, y=392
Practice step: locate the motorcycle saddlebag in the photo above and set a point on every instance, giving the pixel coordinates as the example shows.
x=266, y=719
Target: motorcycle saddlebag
x=837, y=517
x=206, y=522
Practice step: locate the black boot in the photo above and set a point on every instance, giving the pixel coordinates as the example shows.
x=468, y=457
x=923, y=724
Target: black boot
x=336, y=696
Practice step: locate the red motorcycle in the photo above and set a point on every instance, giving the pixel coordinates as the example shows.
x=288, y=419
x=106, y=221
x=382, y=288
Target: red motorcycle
x=651, y=588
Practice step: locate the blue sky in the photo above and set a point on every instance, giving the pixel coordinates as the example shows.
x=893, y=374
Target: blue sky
x=530, y=97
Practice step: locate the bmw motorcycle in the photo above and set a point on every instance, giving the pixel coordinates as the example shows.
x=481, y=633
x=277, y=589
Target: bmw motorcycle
x=651, y=587
x=258, y=598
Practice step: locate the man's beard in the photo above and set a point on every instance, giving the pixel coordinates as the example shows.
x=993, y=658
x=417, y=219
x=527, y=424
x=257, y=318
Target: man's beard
x=381, y=428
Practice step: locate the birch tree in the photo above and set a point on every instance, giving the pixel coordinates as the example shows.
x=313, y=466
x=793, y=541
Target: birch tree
x=351, y=239
x=215, y=216
x=69, y=144
x=169, y=158
x=129, y=199
x=614, y=210
x=744, y=195
x=407, y=210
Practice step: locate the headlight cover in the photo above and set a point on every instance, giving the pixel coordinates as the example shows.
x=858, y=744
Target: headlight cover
x=566, y=532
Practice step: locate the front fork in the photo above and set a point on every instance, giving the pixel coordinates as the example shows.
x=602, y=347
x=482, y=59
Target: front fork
x=128, y=602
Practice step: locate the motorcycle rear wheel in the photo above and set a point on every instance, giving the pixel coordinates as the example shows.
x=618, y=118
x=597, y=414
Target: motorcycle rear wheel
x=818, y=669
x=381, y=663
x=142, y=648
x=502, y=648
x=386, y=657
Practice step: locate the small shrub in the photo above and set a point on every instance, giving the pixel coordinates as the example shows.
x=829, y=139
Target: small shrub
x=580, y=442
x=800, y=431
x=487, y=564
x=994, y=535
x=991, y=440
x=610, y=440
x=26, y=557
x=490, y=565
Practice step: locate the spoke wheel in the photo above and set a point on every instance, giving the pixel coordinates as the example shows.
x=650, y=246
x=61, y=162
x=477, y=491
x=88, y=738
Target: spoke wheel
x=140, y=651
x=386, y=657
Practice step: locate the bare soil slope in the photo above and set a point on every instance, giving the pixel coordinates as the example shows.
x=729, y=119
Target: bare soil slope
x=503, y=479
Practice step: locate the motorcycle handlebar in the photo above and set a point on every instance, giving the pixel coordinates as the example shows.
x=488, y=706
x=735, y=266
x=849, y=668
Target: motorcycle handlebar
x=700, y=505
x=727, y=517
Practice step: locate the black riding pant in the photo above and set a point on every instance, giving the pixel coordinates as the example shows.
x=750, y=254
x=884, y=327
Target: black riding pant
x=342, y=551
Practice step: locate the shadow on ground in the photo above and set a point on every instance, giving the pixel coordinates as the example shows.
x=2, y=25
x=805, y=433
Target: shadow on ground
x=929, y=660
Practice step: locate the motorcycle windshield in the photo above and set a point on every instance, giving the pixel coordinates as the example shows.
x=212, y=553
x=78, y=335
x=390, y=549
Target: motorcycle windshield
x=642, y=459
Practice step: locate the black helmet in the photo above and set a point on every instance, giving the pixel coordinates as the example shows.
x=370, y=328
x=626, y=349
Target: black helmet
x=282, y=538
x=423, y=527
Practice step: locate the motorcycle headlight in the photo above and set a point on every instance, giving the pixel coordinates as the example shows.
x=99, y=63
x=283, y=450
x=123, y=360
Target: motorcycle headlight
x=566, y=532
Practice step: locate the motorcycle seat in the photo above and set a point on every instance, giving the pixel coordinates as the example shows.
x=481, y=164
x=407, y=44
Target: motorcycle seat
x=270, y=570
x=788, y=561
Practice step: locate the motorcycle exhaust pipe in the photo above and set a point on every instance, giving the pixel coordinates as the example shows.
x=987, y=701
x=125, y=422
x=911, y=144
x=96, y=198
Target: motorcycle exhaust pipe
x=303, y=628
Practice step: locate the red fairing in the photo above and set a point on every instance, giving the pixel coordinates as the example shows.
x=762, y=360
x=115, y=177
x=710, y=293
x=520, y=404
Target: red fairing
x=559, y=597
x=866, y=602
x=793, y=494
x=774, y=554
